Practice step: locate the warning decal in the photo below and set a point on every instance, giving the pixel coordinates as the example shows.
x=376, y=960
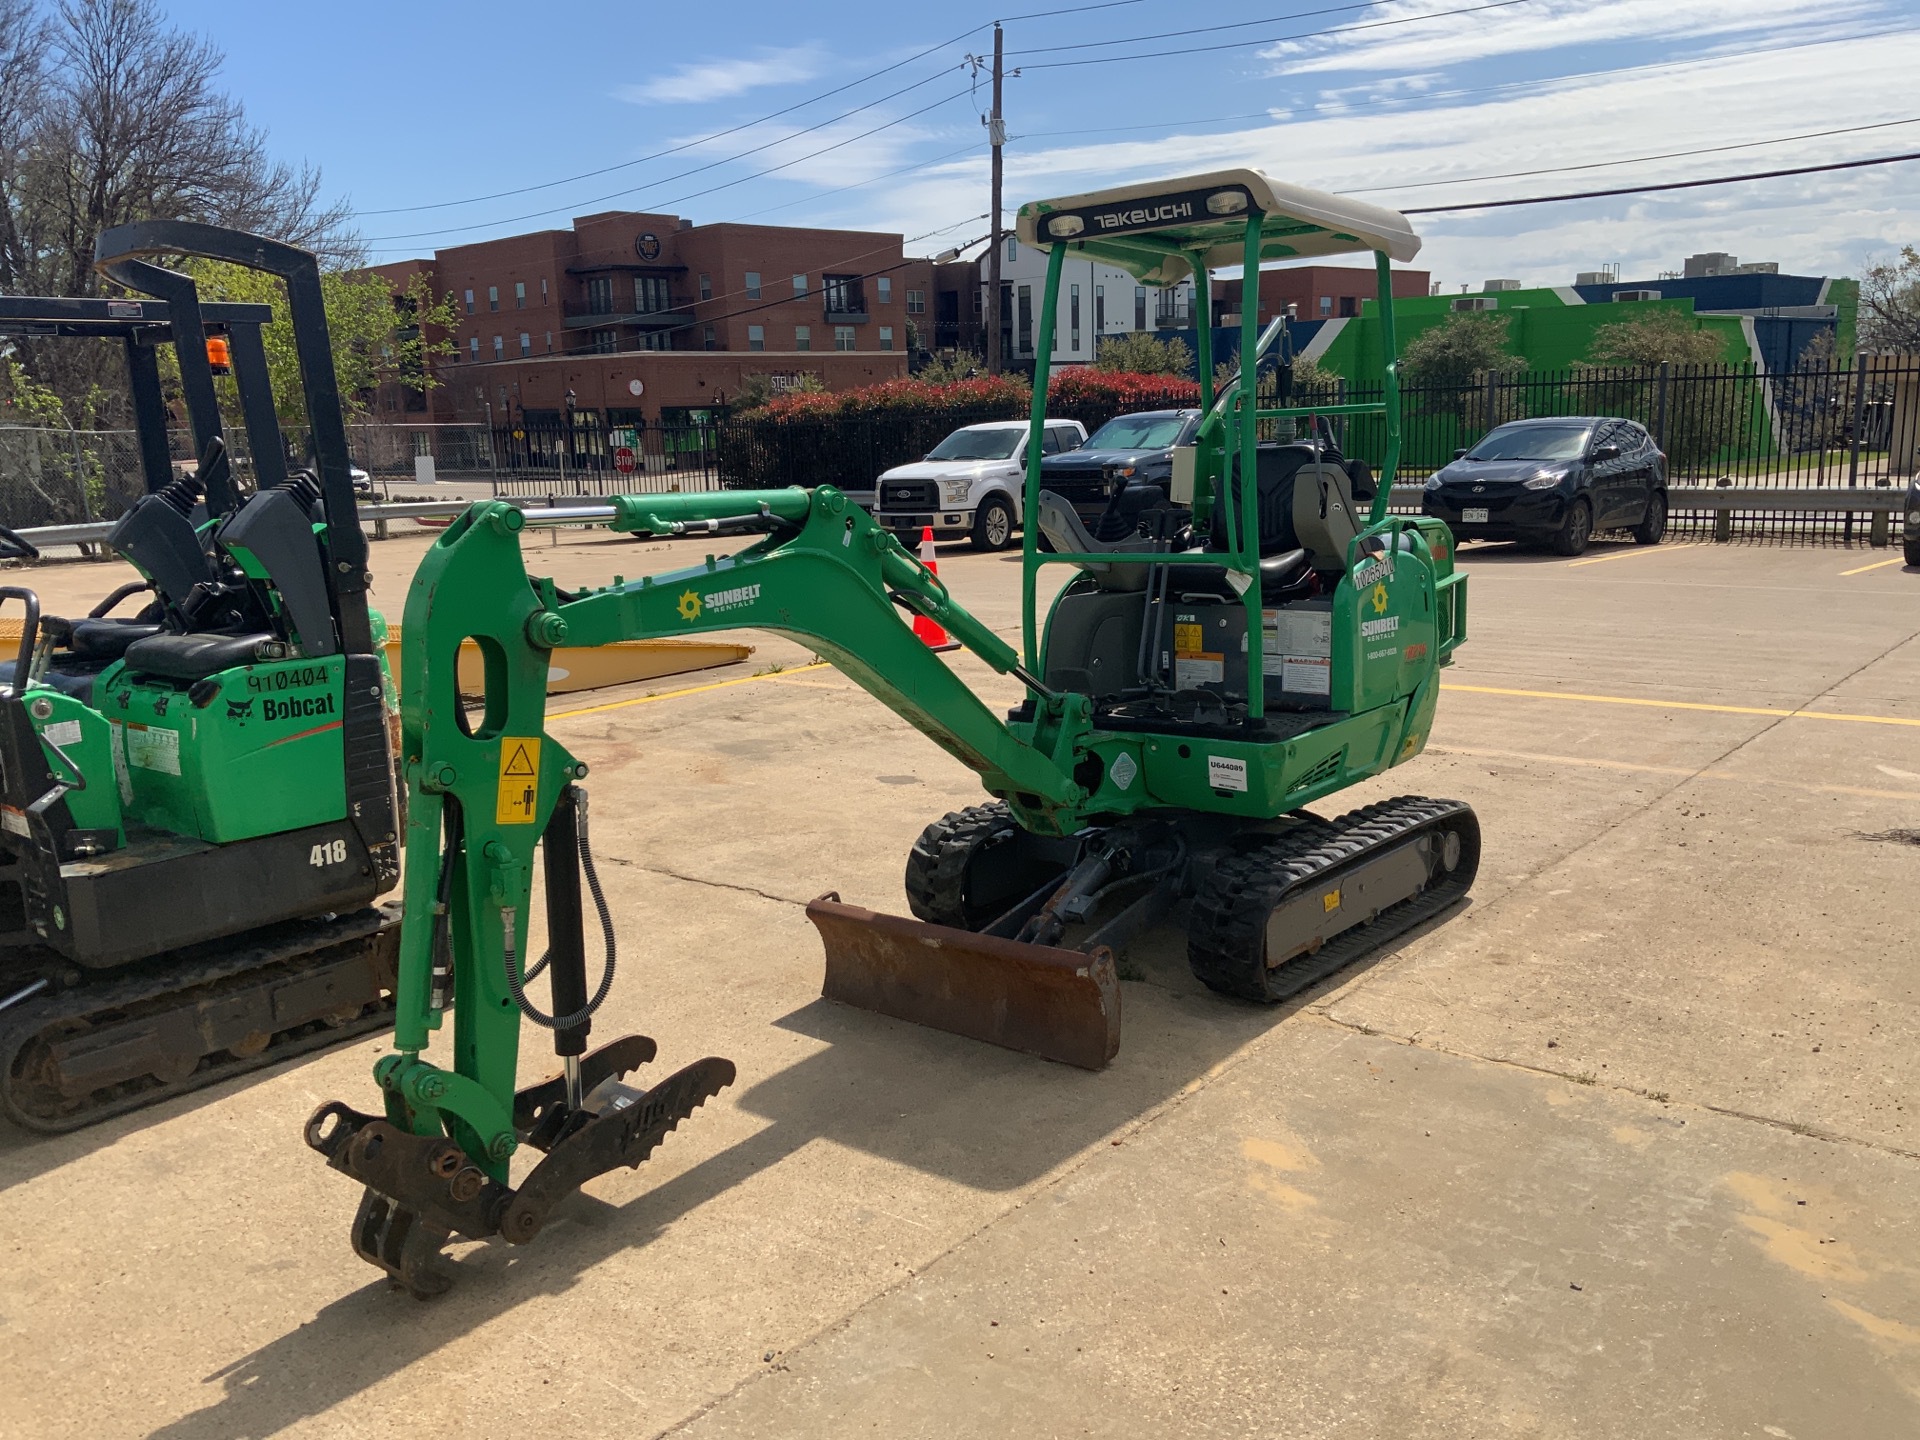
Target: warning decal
x=519, y=781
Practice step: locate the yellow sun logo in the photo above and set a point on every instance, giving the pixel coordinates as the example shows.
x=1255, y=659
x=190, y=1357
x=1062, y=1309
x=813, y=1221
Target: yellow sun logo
x=690, y=606
x=1379, y=599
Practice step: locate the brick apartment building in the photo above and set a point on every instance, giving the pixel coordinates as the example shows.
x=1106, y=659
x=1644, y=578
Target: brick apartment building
x=1317, y=292
x=638, y=319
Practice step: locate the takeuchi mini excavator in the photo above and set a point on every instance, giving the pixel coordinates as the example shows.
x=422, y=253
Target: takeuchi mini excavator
x=1255, y=645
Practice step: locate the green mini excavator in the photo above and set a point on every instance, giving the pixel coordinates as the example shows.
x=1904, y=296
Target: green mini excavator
x=197, y=804
x=1255, y=645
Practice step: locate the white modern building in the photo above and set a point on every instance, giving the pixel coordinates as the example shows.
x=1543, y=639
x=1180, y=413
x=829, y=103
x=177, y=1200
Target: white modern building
x=1095, y=300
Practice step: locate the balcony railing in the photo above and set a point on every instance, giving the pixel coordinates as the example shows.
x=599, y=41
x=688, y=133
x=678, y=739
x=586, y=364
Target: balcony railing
x=581, y=314
x=846, y=302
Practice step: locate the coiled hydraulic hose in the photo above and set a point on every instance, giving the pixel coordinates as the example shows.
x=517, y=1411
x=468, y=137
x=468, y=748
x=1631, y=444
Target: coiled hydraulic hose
x=517, y=984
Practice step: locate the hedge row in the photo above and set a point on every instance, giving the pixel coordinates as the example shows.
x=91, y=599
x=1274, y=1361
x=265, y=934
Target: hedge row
x=847, y=438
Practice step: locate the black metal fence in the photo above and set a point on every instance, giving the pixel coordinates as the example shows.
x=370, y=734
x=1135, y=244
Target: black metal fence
x=1819, y=430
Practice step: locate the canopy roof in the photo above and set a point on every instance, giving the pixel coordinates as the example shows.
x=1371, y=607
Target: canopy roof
x=1158, y=229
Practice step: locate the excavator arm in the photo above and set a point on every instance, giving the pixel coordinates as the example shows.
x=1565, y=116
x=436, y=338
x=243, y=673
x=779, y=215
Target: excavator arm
x=485, y=779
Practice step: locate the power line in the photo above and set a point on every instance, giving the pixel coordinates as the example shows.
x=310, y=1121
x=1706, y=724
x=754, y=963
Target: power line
x=1337, y=110
x=1196, y=30
x=1633, y=159
x=1277, y=39
x=691, y=144
x=621, y=194
x=1671, y=185
x=858, y=184
x=1070, y=10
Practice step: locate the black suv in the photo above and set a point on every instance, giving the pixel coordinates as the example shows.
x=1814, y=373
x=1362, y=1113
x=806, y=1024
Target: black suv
x=1127, y=450
x=1554, y=480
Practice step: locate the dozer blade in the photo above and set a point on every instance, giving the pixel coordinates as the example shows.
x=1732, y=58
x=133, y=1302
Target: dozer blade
x=1039, y=999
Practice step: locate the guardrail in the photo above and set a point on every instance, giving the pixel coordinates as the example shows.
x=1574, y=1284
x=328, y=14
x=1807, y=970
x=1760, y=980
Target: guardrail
x=1880, y=503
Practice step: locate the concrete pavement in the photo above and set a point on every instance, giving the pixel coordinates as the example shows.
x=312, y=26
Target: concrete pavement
x=1625, y=1147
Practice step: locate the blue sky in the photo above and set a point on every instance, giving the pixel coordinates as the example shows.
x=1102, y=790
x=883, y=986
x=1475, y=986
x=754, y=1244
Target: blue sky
x=1405, y=101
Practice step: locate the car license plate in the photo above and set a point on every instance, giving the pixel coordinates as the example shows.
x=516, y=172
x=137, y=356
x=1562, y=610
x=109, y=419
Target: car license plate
x=1475, y=516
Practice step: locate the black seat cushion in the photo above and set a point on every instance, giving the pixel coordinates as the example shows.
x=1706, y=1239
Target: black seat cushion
x=1277, y=573
x=194, y=657
x=107, y=639
x=1275, y=466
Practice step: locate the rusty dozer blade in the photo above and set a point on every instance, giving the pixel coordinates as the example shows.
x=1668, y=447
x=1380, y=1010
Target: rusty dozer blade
x=1039, y=999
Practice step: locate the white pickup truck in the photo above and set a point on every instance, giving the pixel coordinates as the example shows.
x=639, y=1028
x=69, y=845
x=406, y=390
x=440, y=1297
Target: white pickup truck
x=970, y=483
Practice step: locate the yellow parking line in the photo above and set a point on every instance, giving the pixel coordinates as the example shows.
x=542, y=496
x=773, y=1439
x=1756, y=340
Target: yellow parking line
x=1685, y=705
x=1877, y=565
x=690, y=690
x=1637, y=550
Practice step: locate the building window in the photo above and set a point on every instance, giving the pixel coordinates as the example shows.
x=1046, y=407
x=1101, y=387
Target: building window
x=706, y=287
x=493, y=297
x=843, y=337
x=549, y=342
x=756, y=337
x=1326, y=305
x=884, y=284
x=651, y=294
x=1099, y=312
x=655, y=340
x=543, y=289
x=473, y=345
x=799, y=286
x=469, y=302
x=803, y=337
x=886, y=337
x=845, y=295
x=599, y=295
x=519, y=294
x=526, y=343
x=1026, y=320
x=753, y=285
x=1073, y=317
x=1140, y=307
x=917, y=302
x=499, y=348
x=1013, y=249
x=708, y=338
x=1349, y=306
x=604, y=342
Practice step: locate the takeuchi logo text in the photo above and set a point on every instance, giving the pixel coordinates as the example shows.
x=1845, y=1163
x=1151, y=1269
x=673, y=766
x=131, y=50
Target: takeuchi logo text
x=1144, y=215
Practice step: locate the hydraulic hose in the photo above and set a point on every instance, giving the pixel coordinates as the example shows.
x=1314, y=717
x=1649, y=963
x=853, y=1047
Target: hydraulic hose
x=517, y=984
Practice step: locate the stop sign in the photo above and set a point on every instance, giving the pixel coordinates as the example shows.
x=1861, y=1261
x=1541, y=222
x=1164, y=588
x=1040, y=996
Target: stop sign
x=623, y=459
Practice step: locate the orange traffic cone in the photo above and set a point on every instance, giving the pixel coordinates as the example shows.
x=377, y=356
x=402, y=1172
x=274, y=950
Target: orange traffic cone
x=928, y=630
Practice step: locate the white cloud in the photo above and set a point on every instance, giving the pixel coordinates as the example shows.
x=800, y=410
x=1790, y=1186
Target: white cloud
x=1819, y=224
x=720, y=79
x=1549, y=25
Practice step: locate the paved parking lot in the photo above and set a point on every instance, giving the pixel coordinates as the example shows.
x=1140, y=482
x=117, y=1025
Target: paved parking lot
x=1627, y=1147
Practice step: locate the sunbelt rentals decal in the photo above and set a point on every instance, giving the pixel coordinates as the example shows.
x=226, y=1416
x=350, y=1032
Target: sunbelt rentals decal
x=1383, y=624
x=693, y=604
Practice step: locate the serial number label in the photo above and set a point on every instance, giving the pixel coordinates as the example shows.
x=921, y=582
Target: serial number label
x=296, y=677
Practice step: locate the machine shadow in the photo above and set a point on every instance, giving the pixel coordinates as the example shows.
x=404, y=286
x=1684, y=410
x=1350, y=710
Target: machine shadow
x=980, y=1117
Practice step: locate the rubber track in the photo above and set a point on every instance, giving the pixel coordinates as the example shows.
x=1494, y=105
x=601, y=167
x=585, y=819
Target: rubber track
x=937, y=864
x=1226, y=937
x=190, y=979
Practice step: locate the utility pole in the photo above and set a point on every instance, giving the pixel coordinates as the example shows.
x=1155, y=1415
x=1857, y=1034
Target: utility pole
x=997, y=138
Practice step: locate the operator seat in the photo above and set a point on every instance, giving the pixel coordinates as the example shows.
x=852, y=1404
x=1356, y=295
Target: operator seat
x=1324, y=516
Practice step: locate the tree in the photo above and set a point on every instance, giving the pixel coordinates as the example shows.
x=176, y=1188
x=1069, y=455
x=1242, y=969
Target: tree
x=945, y=368
x=1448, y=365
x=109, y=115
x=376, y=336
x=1138, y=353
x=1690, y=420
x=1890, y=304
x=1655, y=337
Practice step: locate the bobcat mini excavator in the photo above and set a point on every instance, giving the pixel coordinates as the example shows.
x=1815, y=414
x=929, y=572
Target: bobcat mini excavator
x=197, y=808
x=1255, y=647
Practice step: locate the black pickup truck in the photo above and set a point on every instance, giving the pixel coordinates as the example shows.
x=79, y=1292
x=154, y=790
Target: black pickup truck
x=1127, y=450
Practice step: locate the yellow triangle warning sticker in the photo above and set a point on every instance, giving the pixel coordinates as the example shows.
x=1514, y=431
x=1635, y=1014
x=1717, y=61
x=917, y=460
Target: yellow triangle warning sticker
x=519, y=785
